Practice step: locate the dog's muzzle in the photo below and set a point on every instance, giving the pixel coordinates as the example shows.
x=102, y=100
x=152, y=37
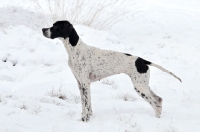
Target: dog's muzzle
x=46, y=32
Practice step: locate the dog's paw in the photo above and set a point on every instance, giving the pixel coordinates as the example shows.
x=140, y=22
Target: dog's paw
x=90, y=113
x=85, y=117
x=158, y=111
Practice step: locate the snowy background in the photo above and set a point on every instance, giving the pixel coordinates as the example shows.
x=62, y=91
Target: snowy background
x=38, y=92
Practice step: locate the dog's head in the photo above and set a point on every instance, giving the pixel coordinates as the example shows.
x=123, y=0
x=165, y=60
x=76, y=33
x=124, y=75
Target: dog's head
x=59, y=29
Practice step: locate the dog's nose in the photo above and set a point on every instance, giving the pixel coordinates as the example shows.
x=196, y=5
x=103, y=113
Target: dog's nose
x=43, y=30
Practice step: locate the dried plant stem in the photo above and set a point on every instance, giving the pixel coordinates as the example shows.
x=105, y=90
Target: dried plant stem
x=99, y=14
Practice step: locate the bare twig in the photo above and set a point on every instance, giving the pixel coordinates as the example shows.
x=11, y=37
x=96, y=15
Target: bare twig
x=99, y=14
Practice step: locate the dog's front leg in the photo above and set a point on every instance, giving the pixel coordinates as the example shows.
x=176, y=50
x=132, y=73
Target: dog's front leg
x=85, y=99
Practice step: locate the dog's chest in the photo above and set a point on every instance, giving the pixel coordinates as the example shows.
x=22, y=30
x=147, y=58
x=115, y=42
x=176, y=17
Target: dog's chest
x=78, y=61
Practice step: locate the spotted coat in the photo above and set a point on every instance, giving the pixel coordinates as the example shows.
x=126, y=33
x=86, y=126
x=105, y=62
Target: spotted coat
x=90, y=64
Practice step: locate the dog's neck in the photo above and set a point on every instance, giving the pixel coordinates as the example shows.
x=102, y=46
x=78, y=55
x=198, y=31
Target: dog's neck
x=72, y=42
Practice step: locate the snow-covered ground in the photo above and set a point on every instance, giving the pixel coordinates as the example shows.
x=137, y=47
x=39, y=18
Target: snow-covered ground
x=38, y=92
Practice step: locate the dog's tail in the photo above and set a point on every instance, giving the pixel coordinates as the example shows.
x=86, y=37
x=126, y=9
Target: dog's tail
x=161, y=68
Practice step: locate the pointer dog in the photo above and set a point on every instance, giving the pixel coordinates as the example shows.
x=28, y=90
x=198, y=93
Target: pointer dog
x=90, y=64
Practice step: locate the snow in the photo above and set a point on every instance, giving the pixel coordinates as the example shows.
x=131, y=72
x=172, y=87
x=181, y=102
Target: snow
x=38, y=92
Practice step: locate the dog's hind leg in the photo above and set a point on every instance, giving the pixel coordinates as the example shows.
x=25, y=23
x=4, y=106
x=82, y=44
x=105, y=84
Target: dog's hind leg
x=141, y=84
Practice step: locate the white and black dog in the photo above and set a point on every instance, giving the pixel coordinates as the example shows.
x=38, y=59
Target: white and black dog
x=90, y=64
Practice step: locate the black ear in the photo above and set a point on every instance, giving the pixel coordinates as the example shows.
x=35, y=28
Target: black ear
x=67, y=29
